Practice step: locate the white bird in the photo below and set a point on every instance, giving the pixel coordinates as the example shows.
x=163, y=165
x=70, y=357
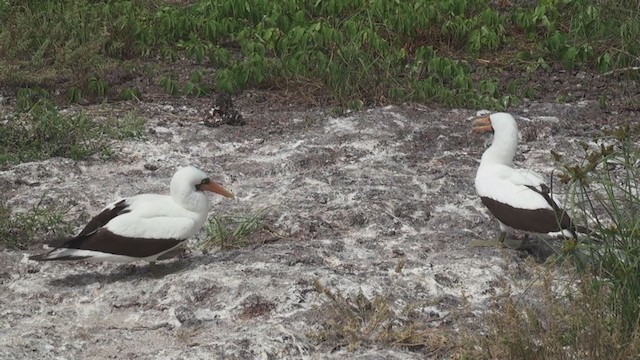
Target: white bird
x=142, y=227
x=518, y=198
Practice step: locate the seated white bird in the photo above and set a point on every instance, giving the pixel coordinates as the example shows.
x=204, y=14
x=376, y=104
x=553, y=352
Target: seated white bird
x=144, y=227
x=518, y=198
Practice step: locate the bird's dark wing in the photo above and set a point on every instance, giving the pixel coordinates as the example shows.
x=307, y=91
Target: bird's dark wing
x=94, y=224
x=562, y=217
x=104, y=217
x=106, y=241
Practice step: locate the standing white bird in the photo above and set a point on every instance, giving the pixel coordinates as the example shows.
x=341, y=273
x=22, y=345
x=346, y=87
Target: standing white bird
x=518, y=198
x=142, y=227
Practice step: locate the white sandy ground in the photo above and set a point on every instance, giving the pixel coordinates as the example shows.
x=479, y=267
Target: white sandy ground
x=354, y=196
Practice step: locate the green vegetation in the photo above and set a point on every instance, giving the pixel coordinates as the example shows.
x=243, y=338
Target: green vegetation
x=359, y=52
x=233, y=231
x=579, y=325
x=605, y=187
x=20, y=229
x=42, y=132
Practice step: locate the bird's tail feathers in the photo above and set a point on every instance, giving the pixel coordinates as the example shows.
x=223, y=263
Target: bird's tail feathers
x=58, y=242
x=57, y=254
x=41, y=257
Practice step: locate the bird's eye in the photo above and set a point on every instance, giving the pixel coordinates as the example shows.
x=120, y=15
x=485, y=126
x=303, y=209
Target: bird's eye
x=205, y=181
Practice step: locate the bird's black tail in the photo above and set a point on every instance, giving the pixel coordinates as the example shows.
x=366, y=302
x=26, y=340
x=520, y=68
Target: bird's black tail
x=47, y=257
x=59, y=242
x=42, y=257
x=53, y=255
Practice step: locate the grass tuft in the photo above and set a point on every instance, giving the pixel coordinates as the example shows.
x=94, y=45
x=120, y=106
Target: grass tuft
x=578, y=324
x=19, y=230
x=233, y=231
x=357, y=322
x=44, y=132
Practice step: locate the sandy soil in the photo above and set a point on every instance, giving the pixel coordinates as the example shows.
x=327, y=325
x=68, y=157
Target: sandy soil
x=350, y=198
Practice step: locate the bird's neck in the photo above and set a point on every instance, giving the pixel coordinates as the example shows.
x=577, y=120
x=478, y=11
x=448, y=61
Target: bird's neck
x=502, y=149
x=191, y=200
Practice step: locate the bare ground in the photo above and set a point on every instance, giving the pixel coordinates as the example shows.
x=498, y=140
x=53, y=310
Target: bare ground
x=379, y=202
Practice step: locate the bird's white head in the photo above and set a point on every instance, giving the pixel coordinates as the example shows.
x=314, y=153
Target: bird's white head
x=188, y=185
x=498, y=123
x=193, y=179
x=505, y=137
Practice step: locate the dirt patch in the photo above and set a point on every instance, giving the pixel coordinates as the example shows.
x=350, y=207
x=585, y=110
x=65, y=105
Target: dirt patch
x=379, y=202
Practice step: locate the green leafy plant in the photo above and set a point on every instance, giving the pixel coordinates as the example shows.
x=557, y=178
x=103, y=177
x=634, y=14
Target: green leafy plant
x=26, y=98
x=74, y=94
x=195, y=86
x=195, y=48
x=130, y=94
x=169, y=85
x=45, y=44
x=98, y=87
x=369, y=51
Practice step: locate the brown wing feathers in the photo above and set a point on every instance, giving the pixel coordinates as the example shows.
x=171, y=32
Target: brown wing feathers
x=104, y=217
x=106, y=241
x=94, y=224
x=562, y=218
x=95, y=238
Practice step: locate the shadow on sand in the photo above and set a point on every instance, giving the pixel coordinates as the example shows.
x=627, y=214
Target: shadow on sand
x=141, y=270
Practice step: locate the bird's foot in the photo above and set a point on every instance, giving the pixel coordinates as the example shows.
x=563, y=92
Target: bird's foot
x=159, y=271
x=515, y=243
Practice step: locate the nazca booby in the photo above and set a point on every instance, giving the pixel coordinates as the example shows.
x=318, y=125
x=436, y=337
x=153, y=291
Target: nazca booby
x=142, y=227
x=518, y=198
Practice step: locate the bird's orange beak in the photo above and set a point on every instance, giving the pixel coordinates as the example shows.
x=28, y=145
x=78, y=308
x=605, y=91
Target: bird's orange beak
x=482, y=125
x=218, y=189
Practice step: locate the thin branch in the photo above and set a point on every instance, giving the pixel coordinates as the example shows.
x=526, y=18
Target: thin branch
x=632, y=68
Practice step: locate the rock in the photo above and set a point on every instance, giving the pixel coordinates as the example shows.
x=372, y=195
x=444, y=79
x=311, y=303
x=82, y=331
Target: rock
x=186, y=317
x=223, y=112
